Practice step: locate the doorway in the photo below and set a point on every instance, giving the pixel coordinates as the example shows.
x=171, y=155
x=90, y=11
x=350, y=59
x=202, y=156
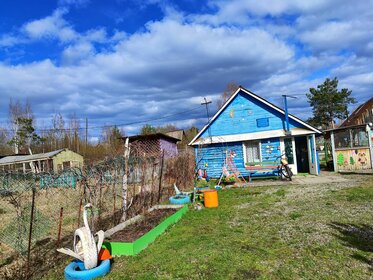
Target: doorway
x=302, y=154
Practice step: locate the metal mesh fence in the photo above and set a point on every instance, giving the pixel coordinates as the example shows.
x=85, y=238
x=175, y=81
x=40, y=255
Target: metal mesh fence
x=40, y=212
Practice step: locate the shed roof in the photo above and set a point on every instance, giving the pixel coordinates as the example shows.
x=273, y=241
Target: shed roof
x=152, y=136
x=178, y=134
x=26, y=158
x=346, y=127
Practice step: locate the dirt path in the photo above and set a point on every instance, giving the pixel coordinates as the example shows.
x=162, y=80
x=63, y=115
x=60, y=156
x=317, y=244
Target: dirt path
x=323, y=178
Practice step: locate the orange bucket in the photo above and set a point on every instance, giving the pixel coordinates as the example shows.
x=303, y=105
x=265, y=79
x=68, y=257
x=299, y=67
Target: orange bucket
x=211, y=198
x=104, y=254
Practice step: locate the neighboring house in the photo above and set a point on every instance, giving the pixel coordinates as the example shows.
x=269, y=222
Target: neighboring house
x=54, y=161
x=362, y=115
x=153, y=145
x=253, y=130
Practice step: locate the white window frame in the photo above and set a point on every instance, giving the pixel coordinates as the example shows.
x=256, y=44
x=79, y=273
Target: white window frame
x=244, y=150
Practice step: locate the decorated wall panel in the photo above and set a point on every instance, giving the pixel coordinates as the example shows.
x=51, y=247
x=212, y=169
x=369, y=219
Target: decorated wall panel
x=353, y=159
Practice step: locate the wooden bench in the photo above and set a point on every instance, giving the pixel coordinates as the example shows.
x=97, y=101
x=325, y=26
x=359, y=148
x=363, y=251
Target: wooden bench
x=261, y=167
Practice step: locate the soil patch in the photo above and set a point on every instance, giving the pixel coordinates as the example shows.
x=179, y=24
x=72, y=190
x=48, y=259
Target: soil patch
x=135, y=231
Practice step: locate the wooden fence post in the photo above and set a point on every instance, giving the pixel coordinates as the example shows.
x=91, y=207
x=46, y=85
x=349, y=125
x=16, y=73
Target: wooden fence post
x=30, y=230
x=125, y=179
x=60, y=227
x=160, y=179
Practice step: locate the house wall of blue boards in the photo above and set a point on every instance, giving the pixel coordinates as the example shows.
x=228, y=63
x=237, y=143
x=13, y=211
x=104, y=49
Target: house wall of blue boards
x=252, y=131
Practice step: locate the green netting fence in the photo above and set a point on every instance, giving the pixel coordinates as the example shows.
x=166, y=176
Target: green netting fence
x=56, y=211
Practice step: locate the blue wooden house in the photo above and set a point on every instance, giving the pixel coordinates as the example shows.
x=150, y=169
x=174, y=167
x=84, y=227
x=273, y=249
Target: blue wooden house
x=254, y=131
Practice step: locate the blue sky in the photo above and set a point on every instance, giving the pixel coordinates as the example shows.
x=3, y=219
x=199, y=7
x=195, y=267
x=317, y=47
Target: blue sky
x=122, y=62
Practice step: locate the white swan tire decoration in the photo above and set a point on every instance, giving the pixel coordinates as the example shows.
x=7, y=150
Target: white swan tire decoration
x=85, y=247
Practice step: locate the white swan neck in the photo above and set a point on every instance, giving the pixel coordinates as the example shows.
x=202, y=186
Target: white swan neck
x=85, y=220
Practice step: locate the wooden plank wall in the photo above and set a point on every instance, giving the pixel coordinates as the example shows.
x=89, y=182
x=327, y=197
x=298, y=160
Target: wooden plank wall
x=241, y=115
x=212, y=157
x=270, y=149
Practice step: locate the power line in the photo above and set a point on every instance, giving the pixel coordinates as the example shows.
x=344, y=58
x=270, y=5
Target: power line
x=112, y=125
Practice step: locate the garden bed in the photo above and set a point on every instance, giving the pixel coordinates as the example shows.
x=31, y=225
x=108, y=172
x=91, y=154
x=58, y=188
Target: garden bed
x=134, y=235
x=135, y=231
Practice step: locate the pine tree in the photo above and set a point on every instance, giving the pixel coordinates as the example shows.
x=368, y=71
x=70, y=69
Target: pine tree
x=328, y=103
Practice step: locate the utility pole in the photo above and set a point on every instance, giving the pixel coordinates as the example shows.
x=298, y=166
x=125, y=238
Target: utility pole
x=86, y=135
x=206, y=103
x=207, y=108
x=287, y=130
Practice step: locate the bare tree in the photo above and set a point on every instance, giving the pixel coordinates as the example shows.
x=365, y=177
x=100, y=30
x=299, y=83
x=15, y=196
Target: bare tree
x=228, y=92
x=4, y=139
x=111, y=138
x=58, y=130
x=74, y=127
x=17, y=111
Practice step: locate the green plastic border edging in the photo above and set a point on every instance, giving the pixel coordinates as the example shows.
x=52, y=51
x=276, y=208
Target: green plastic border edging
x=133, y=248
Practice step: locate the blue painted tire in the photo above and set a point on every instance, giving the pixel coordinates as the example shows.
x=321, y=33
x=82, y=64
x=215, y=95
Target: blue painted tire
x=179, y=199
x=75, y=270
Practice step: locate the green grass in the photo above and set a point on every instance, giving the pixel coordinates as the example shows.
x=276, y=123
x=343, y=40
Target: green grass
x=295, y=232
x=357, y=194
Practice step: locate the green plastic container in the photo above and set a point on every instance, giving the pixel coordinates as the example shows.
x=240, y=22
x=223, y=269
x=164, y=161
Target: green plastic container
x=133, y=248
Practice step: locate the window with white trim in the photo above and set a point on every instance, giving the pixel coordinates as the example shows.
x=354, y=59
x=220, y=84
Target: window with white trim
x=252, y=149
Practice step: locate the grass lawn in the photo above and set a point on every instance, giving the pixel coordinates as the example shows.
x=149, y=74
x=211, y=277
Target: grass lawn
x=294, y=232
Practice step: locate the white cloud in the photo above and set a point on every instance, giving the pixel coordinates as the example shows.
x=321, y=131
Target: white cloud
x=75, y=54
x=243, y=11
x=8, y=40
x=53, y=26
x=96, y=35
x=187, y=52
x=323, y=26
x=334, y=36
x=170, y=65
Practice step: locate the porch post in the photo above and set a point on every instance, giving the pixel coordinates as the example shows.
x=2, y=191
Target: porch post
x=286, y=114
x=333, y=151
x=317, y=162
x=370, y=135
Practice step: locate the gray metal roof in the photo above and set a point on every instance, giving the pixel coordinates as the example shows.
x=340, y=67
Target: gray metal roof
x=178, y=134
x=16, y=159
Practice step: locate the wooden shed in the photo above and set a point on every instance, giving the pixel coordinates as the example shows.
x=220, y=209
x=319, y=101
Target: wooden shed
x=54, y=161
x=153, y=145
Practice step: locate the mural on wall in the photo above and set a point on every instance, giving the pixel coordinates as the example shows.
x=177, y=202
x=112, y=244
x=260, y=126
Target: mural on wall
x=353, y=159
x=270, y=149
